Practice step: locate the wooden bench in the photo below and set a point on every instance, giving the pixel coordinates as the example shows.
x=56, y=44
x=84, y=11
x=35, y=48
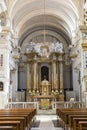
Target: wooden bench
x=21, y=119
x=82, y=125
x=11, y=123
x=65, y=116
x=23, y=115
x=74, y=116
x=65, y=113
x=8, y=128
x=16, y=115
x=76, y=121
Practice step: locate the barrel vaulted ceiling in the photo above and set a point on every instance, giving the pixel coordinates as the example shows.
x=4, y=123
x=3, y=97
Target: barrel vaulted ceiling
x=61, y=16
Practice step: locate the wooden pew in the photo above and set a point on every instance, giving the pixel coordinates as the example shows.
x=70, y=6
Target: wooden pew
x=21, y=119
x=16, y=115
x=64, y=114
x=74, y=116
x=28, y=114
x=31, y=113
x=76, y=121
x=11, y=123
x=82, y=125
x=8, y=128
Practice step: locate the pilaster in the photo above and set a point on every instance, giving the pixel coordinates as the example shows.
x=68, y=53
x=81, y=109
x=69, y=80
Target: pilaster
x=83, y=29
x=5, y=48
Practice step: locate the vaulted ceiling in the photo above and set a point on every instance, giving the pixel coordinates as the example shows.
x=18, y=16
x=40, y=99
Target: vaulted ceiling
x=61, y=16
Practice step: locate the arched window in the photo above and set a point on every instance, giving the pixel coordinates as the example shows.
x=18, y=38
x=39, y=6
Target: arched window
x=1, y=60
x=1, y=86
x=45, y=72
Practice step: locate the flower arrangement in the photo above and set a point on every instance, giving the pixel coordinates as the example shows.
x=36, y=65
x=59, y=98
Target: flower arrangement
x=55, y=93
x=33, y=93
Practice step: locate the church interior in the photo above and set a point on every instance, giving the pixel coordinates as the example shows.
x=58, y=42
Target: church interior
x=43, y=54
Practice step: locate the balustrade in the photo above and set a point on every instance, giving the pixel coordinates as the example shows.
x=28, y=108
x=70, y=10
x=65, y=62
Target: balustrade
x=55, y=104
x=22, y=105
x=61, y=104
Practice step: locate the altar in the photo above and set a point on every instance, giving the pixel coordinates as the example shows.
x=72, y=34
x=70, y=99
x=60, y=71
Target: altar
x=44, y=97
x=45, y=77
x=45, y=102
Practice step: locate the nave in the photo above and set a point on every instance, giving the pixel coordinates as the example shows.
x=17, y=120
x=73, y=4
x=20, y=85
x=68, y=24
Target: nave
x=46, y=122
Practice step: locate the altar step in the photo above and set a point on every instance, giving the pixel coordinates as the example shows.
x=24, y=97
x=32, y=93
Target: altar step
x=46, y=112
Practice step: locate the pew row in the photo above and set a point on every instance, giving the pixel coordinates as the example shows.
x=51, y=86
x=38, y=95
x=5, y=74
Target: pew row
x=17, y=119
x=82, y=125
x=69, y=118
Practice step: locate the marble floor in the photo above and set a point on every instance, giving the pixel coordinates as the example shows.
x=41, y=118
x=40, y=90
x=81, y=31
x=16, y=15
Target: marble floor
x=46, y=122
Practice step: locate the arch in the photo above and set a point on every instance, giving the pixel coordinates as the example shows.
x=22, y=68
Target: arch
x=44, y=72
x=64, y=35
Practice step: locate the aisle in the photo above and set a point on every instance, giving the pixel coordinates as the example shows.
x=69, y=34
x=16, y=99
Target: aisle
x=46, y=122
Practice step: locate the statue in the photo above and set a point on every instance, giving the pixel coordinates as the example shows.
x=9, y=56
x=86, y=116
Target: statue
x=37, y=47
x=3, y=18
x=52, y=47
x=59, y=47
x=44, y=50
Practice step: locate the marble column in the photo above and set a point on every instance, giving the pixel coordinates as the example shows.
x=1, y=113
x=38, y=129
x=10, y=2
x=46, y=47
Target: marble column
x=57, y=76
x=37, y=79
x=61, y=97
x=35, y=75
x=61, y=75
x=52, y=78
x=28, y=77
x=54, y=72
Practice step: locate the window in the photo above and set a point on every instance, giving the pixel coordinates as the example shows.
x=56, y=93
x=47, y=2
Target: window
x=85, y=65
x=1, y=86
x=1, y=60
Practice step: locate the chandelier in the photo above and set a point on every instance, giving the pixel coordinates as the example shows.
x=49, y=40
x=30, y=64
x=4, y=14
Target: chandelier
x=44, y=22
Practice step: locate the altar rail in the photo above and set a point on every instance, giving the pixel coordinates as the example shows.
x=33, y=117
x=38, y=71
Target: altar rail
x=62, y=104
x=23, y=105
x=58, y=104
